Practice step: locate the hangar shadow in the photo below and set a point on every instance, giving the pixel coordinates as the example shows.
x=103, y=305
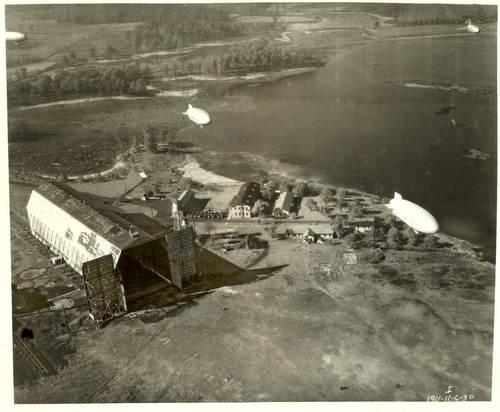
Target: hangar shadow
x=216, y=272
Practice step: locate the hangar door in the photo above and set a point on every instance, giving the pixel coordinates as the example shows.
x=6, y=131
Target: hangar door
x=104, y=289
x=181, y=255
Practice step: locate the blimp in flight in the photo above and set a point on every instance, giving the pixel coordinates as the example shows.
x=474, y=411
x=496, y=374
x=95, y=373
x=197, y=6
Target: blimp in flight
x=472, y=28
x=14, y=36
x=419, y=219
x=199, y=116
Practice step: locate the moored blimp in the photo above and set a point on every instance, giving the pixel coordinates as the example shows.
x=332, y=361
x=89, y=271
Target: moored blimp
x=472, y=28
x=419, y=219
x=14, y=36
x=199, y=116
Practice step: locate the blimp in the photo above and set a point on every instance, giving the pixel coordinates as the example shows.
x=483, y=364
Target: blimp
x=419, y=219
x=472, y=28
x=198, y=116
x=14, y=36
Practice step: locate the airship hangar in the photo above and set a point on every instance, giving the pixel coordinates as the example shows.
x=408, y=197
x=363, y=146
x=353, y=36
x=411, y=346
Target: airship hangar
x=119, y=255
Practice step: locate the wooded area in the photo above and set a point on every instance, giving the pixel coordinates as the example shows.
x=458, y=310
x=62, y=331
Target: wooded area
x=78, y=83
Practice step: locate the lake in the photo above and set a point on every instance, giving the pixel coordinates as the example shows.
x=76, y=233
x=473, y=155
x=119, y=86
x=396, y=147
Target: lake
x=356, y=123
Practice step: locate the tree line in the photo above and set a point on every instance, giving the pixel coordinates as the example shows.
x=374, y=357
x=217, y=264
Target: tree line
x=122, y=13
x=258, y=57
x=84, y=82
x=457, y=20
x=181, y=28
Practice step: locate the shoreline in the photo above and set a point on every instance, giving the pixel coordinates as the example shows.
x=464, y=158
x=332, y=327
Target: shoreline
x=204, y=81
x=460, y=245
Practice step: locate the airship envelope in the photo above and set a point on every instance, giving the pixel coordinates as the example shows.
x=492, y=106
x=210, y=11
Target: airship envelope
x=199, y=116
x=419, y=219
x=472, y=28
x=14, y=36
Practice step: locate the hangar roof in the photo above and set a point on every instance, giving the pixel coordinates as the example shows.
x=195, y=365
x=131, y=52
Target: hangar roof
x=97, y=215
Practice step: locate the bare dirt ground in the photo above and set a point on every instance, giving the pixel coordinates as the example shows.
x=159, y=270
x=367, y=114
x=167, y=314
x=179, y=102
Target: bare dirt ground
x=296, y=335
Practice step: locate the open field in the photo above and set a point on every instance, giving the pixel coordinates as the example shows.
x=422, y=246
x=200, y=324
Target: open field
x=48, y=40
x=86, y=138
x=357, y=333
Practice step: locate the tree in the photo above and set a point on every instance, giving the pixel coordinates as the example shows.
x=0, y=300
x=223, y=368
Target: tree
x=301, y=189
x=286, y=186
x=44, y=85
x=371, y=256
x=379, y=190
x=263, y=177
x=338, y=225
x=260, y=206
x=270, y=188
x=341, y=193
x=390, y=220
x=149, y=139
x=134, y=141
x=430, y=241
x=18, y=129
x=412, y=238
x=326, y=194
x=110, y=52
x=394, y=238
x=356, y=209
x=22, y=73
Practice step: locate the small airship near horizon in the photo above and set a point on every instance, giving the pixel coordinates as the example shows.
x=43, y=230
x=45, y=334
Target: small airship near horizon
x=419, y=219
x=472, y=28
x=14, y=36
x=198, y=116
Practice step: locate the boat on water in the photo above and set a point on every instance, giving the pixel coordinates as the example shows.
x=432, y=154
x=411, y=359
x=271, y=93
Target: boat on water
x=475, y=153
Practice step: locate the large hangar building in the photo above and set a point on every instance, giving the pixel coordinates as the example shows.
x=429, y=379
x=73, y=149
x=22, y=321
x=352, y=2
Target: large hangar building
x=120, y=255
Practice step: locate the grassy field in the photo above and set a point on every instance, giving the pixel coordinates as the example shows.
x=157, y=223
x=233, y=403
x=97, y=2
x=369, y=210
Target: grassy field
x=48, y=40
x=85, y=137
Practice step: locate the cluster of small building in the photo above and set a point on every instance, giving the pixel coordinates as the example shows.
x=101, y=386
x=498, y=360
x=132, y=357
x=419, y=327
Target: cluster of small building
x=324, y=234
x=242, y=204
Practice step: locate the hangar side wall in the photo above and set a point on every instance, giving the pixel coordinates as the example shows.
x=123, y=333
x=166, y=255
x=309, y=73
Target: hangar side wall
x=65, y=235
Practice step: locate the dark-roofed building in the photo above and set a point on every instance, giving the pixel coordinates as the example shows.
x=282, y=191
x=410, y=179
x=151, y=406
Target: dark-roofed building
x=184, y=200
x=242, y=203
x=99, y=241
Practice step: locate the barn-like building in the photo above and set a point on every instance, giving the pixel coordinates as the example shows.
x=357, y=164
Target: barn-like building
x=120, y=255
